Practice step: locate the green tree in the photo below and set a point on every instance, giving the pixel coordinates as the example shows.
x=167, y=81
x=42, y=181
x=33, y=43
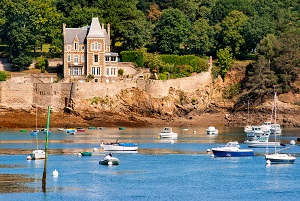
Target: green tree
x=129, y=25
x=287, y=59
x=261, y=81
x=201, y=38
x=22, y=62
x=28, y=23
x=231, y=31
x=266, y=48
x=171, y=31
x=224, y=61
x=255, y=29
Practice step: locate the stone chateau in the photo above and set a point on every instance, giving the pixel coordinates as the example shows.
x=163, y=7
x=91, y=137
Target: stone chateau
x=86, y=51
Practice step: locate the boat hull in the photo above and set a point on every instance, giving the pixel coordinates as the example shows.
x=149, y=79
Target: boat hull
x=212, y=132
x=253, y=144
x=280, y=158
x=221, y=153
x=168, y=135
x=113, y=161
x=120, y=147
x=86, y=153
x=38, y=154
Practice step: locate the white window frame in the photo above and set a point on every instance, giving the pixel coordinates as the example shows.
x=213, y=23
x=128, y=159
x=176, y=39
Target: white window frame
x=99, y=46
x=92, y=46
x=113, y=71
x=107, y=58
x=75, y=71
x=76, y=59
x=82, y=58
x=69, y=58
x=69, y=47
x=93, y=70
x=82, y=47
x=98, y=71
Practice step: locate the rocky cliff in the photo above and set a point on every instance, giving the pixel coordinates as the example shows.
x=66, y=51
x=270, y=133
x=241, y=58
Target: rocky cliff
x=133, y=106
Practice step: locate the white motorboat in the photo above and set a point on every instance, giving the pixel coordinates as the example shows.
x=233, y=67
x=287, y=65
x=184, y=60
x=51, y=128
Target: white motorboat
x=275, y=128
x=248, y=129
x=266, y=126
x=261, y=142
x=257, y=130
x=168, y=133
x=211, y=130
x=37, y=154
x=119, y=146
x=232, y=149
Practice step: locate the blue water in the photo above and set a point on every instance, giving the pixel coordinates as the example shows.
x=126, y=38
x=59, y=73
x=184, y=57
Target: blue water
x=152, y=174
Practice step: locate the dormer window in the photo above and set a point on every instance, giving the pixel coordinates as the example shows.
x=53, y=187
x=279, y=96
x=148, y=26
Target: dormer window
x=76, y=46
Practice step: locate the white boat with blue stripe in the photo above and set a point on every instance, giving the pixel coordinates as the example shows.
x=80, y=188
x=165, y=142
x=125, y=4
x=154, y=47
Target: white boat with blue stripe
x=232, y=149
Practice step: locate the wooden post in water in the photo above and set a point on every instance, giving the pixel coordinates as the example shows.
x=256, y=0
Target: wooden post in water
x=46, y=153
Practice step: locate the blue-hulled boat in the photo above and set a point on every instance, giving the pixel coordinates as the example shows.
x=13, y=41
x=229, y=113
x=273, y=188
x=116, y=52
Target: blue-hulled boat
x=232, y=149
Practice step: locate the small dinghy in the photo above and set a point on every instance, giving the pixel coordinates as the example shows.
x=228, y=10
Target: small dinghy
x=109, y=160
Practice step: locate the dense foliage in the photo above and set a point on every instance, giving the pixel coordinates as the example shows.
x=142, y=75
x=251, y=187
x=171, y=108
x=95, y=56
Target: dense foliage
x=269, y=29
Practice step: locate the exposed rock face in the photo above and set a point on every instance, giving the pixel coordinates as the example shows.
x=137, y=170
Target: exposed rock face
x=135, y=107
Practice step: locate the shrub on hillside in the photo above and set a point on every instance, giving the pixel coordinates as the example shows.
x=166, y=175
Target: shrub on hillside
x=41, y=62
x=136, y=57
x=22, y=62
x=2, y=76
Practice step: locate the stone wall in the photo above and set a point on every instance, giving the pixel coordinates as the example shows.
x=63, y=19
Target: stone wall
x=23, y=94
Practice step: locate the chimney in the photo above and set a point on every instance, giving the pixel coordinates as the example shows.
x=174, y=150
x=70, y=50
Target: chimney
x=64, y=29
x=108, y=31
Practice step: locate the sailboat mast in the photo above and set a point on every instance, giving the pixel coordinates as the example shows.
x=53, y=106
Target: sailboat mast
x=275, y=97
x=248, y=114
x=48, y=123
x=37, y=144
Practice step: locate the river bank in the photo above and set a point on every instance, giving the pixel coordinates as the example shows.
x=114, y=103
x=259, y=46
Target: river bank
x=16, y=119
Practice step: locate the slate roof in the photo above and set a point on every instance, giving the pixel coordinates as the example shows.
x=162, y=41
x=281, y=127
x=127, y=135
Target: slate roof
x=93, y=31
x=72, y=32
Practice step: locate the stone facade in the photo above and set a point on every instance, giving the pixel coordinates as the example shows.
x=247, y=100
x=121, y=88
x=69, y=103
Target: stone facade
x=86, y=51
